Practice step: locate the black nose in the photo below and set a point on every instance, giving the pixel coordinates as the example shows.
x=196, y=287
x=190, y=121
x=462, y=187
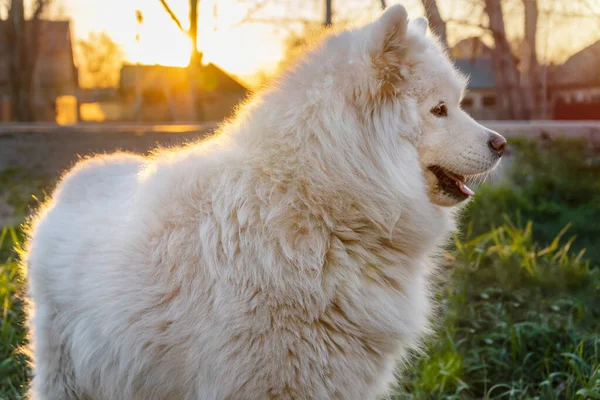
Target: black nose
x=497, y=144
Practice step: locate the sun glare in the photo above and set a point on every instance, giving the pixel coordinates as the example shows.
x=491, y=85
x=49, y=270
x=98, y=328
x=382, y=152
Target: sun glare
x=156, y=47
x=241, y=50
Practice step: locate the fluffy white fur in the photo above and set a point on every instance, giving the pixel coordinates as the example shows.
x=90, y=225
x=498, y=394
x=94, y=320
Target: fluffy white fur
x=287, y=257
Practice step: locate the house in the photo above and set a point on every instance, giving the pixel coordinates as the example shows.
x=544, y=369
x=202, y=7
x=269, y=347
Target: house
x=473, y=58
x=55, y=73
x=480, y=100
x=156, y=93
x=470, y=48
x=575, y=86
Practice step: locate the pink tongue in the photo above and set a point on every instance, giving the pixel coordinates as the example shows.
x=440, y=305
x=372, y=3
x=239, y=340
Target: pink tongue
x=465, y=189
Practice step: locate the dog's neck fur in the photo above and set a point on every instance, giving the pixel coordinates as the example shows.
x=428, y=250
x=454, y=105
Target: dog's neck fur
x=355, y=180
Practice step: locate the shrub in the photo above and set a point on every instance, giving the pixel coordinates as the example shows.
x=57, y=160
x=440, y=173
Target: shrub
x=554, y=183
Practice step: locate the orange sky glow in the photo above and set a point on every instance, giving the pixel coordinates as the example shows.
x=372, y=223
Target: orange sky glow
x=246, y=49
x=241, y=50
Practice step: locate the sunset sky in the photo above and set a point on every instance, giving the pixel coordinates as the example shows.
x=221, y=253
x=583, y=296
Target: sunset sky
x=241, y=50
x=244, y=49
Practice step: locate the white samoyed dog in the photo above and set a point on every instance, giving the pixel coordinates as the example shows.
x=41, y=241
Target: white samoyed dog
x=287, y=257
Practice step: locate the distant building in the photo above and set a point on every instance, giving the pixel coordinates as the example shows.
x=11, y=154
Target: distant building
x=481, y=100
x=575, y=85
x=573, y=88
x=470, y=49
x=155, y=93
x=55, y=74
x=473, y=58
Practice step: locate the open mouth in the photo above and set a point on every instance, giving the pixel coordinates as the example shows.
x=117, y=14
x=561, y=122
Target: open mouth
x=453, y=185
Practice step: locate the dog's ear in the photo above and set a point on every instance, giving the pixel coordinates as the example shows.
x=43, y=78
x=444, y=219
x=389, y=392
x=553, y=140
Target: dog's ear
x=420, y=25
x=388, y=30
x=388, y=49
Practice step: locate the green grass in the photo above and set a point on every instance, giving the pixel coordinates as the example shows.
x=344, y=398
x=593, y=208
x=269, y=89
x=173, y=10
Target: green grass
x=13, y=363
x=519, y=313
x=554, y=184
x=518, y=322
x=21, y=189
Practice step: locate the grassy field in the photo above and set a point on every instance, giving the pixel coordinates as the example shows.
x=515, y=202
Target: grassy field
x=519, y=314
x=13, y=363
x=518, y=322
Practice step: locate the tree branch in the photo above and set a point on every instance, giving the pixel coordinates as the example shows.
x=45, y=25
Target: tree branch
x=253, y=15
x=40, y=7
x=280, y=21
x=172, y=15
x=436, y=23
x=249, y=17
x=469, y=24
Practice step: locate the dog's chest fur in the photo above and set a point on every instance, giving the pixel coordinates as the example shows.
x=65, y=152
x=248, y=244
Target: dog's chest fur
x=292, y=301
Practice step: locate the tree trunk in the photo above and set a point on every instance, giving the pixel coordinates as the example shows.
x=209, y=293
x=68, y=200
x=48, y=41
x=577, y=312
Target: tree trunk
x=21, y=84
x=23, y=48
x=328, y=13
x=194, y=25
x=195, y=64
x=436, y=23
x=383, y=5
x=533, y=89
x=505, y=64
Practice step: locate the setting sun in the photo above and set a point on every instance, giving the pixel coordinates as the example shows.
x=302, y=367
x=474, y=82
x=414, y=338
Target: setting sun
x=154, y=48
x=241, y=50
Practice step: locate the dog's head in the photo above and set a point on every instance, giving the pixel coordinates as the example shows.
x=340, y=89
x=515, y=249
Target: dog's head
x=405, y=91
x=411, y=68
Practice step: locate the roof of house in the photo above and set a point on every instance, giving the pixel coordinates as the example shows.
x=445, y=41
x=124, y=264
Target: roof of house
x=151, y=75
x=471, y=47
x=55, y=66
x=580, y=68
x=480, y=72
x=212, y=78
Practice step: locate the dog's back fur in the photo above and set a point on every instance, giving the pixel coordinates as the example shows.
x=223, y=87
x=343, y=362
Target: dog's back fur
x=287, y=257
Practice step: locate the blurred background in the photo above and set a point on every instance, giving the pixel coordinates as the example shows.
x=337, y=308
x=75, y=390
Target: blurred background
x=519, y=294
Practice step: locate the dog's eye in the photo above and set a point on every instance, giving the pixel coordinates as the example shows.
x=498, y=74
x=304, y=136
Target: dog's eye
x=440, y=110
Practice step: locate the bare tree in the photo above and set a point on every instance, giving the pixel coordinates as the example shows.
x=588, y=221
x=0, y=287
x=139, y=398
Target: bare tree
x=436, y=23
x=196, y=57
x=328, y=13
x=515, y=98
x=532, y=77
x=192, y=32
x=100, y=60
x=505, y=63
x=288, y=22
x=23, y=43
